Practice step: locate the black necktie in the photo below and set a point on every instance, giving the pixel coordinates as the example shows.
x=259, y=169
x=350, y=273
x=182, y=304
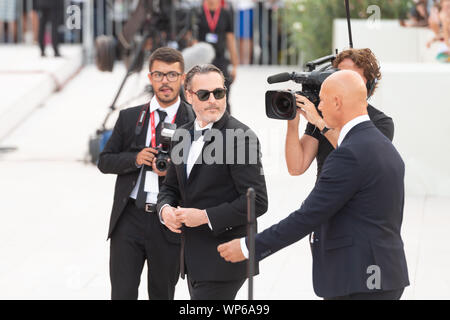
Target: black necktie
x=141, y=198
x=162, y=116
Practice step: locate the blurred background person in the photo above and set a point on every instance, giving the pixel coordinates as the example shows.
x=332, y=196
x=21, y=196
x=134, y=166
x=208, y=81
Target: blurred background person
x=30, y=24
x=49, y=12
x=244, y=25
x=418, y=16
x=439, y=23
x=8, y=16
x=215, y=26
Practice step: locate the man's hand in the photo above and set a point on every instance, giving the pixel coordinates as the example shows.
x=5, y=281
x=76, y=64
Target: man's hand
x=308, y=110
x=146, y=157
x=170, y=219
x=231, y=251
x=191, y=217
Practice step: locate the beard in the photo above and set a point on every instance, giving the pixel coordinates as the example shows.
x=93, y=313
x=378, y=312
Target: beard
x=169, y=97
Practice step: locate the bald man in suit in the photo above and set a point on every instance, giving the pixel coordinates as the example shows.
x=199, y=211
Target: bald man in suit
x=356, y=206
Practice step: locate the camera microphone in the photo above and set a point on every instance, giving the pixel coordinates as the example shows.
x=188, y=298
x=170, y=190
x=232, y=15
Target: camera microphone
x=280, y=77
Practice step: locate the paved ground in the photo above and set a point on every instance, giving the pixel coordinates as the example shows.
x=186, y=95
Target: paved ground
x=55, y=207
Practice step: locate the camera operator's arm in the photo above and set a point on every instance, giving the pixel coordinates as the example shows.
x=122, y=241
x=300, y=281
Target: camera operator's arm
x=308, y=110
x=299, y=152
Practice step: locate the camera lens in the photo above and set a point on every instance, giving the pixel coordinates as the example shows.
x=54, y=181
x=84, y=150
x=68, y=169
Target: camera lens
x=161, y=165
x=282, y=104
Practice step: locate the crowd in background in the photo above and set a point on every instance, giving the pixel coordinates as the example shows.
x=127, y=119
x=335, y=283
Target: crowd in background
x=258, y=24
x=435, y=15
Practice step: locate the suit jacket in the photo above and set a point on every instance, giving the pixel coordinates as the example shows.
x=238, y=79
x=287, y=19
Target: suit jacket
x=356, y=208
x=119, y=157
x=221, y=190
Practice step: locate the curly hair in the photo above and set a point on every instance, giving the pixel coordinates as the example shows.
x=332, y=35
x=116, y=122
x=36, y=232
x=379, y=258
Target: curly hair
x=364, y=59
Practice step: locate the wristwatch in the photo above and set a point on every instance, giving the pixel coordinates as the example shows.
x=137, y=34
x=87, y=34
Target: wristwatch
x=324, y=130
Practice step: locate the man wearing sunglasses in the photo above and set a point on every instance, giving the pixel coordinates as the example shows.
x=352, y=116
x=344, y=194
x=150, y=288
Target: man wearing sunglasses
x=204, y=200
x=136, y=232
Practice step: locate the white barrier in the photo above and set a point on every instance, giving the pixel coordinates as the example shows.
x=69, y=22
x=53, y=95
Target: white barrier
x=390, y=41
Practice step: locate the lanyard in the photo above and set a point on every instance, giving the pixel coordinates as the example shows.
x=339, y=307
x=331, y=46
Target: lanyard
x=152, y=120
x=212, y=22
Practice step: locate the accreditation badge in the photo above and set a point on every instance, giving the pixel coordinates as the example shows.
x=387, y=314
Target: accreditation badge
x=212, y=38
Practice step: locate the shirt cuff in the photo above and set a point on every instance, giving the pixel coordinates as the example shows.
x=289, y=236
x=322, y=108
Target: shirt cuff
x=160, y=211
x=209, y=223
x=244, y=248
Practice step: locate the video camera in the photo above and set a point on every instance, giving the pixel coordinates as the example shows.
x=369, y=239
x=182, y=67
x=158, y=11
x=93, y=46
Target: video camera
x=281, y=104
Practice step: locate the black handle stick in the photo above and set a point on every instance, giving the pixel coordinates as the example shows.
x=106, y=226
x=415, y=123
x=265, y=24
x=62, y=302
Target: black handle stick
x=251, y=229
x=347, y=8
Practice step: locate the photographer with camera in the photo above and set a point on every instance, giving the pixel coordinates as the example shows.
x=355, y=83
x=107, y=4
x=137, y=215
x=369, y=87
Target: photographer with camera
x=319, y=141
x=134, y=154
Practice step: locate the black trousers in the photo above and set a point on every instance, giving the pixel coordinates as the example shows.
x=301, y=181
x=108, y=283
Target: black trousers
x=48, y=15
x=214, y=290
x=138, y=237
x=377, y=295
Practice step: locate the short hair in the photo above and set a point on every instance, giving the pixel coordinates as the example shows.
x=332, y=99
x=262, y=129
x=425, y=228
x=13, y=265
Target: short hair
x=364, y=59
x=201, y=69
x=167, y=55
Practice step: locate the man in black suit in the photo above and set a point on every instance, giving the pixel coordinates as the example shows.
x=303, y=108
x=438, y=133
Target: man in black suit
x=135, y=229
x=205, y=189
x=356, y=206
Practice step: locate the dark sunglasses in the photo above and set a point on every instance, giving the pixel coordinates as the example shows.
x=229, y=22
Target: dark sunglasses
x=203, y=95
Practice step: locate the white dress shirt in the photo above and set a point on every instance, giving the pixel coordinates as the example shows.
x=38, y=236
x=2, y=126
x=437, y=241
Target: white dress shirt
x=171, y=113
x=196, y=148
x=194, y=155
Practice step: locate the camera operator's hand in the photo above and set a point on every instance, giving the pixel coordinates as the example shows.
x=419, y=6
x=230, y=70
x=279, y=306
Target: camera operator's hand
x=308, y=110
x=146, y=156
x=170, y=219
x=155, y=169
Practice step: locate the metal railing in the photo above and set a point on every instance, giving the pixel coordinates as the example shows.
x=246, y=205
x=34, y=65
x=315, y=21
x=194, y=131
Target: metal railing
x=261, y=30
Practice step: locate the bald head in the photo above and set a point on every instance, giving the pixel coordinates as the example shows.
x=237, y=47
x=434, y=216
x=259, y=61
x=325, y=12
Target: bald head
x=343, y=97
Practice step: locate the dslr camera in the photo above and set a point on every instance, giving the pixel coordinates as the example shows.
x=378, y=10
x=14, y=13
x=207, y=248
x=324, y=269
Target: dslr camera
x=281, y=104
x=163, y=156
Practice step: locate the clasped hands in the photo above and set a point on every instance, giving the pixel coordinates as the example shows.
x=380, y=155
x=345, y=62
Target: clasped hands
x=174, y=218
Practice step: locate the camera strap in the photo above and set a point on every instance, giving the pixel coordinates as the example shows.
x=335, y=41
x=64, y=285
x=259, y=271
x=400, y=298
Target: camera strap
x=141, y=121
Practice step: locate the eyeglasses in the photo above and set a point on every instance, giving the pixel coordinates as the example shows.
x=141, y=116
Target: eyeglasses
x=204, y=95
x=159, y=76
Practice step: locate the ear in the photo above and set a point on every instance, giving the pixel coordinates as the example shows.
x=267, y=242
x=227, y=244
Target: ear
x=338, y=103
x=150, y=78
x=188, y=96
